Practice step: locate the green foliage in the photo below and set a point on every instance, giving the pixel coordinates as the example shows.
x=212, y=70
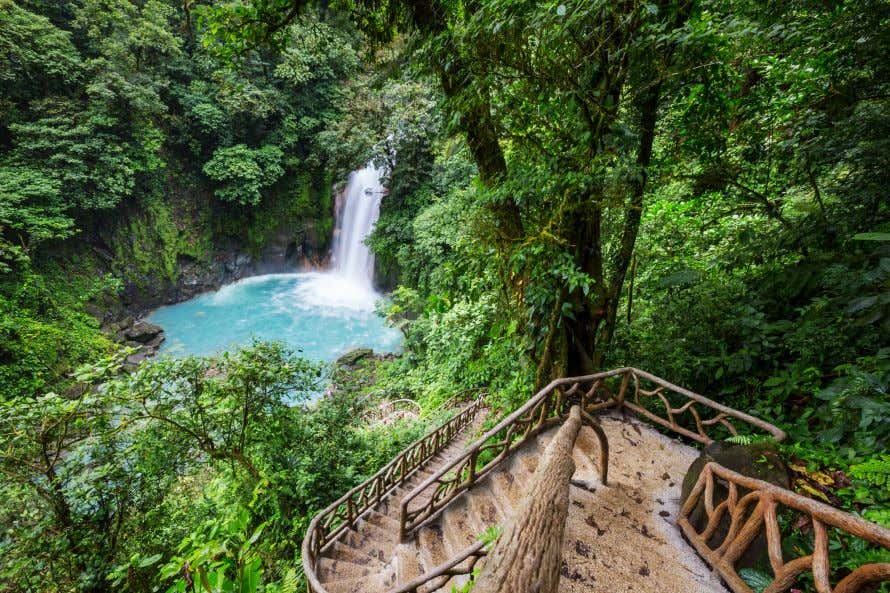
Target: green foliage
x=32, y=49
x=220, y=555
x=758, y=580
x=241, y=172
x=30, y=213
x=44, y=330
x=875, y=470
x=490, y=536
x=214, y=463
x=316, y=53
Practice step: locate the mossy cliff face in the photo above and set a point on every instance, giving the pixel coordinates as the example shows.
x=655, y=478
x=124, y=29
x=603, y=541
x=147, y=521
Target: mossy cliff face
x=177, y=240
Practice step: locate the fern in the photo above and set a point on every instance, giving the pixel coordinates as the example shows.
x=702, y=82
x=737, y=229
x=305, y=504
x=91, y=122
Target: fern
x=290, y=583
x=748, y=439
x=740, y=439
x=489, y=536
x=875, y=471
x=879, y=516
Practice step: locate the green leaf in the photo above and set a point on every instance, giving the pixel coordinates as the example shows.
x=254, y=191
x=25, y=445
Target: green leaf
x=150, y=560
x=872, y=237
x=758, y=580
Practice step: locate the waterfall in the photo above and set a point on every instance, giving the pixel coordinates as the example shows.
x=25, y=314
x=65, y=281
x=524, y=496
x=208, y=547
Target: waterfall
x=361, y=208
x=349, y=282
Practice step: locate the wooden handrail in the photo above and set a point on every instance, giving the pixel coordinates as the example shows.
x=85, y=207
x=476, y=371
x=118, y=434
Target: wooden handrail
x=441, y=574
x=343, y=513
x=701, y=425
x=526, y=557
x=756, y=512
x=546, y=409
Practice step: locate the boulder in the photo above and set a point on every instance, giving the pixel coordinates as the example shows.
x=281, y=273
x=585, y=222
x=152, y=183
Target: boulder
x=351, y=358
x=116, y=327
x=131, y=364
x=142, y=332
x=758, y=460
x=155, y=342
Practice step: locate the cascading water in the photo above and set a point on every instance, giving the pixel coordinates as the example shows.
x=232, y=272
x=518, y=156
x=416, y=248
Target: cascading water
x=321, y=313
x=349, y=283
x=360, y=211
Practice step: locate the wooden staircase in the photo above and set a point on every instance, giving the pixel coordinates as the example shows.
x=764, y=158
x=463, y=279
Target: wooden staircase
x=368, y=556
x=415, y=526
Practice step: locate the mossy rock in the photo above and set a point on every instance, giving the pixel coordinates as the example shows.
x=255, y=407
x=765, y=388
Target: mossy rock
x=351, y=358
x=758, y=460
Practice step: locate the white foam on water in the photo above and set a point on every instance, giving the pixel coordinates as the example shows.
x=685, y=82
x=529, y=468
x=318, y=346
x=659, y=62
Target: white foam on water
x=329, y=292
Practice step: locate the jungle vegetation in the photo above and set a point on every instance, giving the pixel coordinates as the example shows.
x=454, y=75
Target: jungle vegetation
x=697, y=188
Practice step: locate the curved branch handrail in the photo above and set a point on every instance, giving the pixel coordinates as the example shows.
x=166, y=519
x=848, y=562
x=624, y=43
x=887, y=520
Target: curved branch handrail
x=528, y=553
x=700, y=435
x=745, y=526
x=328, y=524
x=441, y=574
x=545, y=408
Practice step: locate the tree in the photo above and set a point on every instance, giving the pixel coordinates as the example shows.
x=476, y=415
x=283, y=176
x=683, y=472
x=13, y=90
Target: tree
x=243, y=172
x=223, y=407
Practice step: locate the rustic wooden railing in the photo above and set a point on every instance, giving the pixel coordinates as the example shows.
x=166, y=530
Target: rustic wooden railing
x=327, y=525
x=752, y=507
x=664, y=403
x=436, y=578
x=549, y=490
x=678, y=409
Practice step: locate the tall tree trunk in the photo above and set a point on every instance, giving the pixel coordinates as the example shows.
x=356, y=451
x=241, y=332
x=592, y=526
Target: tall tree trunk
x=482, y=139
x=474, y=112
x=648, y=109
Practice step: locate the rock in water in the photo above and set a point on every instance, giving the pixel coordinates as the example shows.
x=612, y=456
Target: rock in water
x=351, y=358
x=759, y=460
x=143, y=332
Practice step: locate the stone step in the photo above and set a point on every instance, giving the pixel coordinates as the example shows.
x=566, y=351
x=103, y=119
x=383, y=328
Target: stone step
x=370, y=584
x=484, y=512
x=430, y=541
x=364, y=556
x=385, y=522
x=457, y=529
x=377, y=533
x=408, y=564
x=329, y=569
